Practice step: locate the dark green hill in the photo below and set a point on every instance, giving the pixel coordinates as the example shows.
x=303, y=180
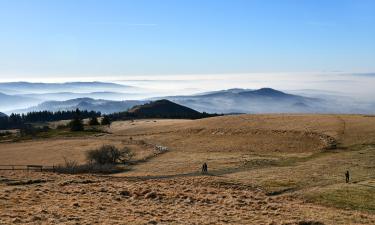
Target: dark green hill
x=165, y=109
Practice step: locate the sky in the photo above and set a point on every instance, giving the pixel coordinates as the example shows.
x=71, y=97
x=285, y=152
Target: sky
x=70, y=39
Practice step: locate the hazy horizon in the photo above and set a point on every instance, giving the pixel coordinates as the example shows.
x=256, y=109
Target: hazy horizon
x=358, y=85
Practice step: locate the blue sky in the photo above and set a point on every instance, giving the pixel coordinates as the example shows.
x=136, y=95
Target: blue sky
x=73, y=38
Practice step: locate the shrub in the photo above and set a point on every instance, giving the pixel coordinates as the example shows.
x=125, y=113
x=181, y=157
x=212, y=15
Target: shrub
x=72, y=167
x=69, y=166
x=76, y=124
x=5, y=133
x=93, y=121
x=106, y=121
x=28, y=129
x=61, y=126
x=109, y=154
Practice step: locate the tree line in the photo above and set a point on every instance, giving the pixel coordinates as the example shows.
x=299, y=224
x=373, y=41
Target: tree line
x=18, y=121
x=158, y=115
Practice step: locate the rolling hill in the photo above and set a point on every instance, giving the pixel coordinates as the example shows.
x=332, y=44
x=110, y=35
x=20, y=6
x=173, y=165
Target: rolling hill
x=3, y=114
x=271, y=167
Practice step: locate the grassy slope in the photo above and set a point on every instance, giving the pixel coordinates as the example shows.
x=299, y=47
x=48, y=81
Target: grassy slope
x=277, y=153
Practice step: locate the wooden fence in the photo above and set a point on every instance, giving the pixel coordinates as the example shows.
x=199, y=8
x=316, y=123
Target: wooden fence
x=40, y=168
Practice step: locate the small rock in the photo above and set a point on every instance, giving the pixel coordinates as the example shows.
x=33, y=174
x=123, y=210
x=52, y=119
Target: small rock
x=35, y=218
x=16, y=220
x=151, y=195
x=125, y=193
x=76, y=204
x=310, y=223
x=189, y=200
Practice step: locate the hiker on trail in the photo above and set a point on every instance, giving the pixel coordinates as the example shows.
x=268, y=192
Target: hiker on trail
x=204, y=168
x=347, y=176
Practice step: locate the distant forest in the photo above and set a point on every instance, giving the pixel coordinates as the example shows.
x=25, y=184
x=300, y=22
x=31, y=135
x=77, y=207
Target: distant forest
x=164, y=115
x=17, y=121
x=158, y=109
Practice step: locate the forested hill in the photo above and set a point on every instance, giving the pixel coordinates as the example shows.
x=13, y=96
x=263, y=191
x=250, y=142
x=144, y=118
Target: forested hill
x=15, y=121
x=160, y=109
x=164, y=108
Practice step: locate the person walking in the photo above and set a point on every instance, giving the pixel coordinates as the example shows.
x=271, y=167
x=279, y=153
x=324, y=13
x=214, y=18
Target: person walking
x=347, y=176
x=204, y=168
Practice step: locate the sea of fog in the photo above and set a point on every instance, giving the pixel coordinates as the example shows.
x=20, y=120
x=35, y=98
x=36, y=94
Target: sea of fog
x=342, y=92
x=360, y=86
x=355, y=85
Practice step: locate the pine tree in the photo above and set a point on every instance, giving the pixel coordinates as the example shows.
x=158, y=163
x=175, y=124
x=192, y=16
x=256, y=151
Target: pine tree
x=106, y=120
x=93, y=121
x=76, y=124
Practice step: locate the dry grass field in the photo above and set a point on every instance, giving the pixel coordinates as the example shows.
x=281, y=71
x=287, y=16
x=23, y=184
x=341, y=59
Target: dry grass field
x=263, y=169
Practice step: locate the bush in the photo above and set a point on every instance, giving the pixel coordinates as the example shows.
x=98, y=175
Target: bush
x=69, y=166
x=72, y=167
x=61, y=126
x=76, y=124
x=106, y=121
x=93, y=121
x=28, y=129
x=109, y=154
x=5, y=133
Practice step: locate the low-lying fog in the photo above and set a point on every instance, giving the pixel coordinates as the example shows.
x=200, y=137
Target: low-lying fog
x=355, y=90
x=359, y=86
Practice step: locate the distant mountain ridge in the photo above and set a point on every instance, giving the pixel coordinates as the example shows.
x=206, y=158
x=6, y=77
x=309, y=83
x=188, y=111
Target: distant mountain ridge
x=63, y=96
x=35, y=88
x=8, y=102
x=264, y=100
x=236, y=100
x=3, y=114
x=100, y=105
x=22, y=95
